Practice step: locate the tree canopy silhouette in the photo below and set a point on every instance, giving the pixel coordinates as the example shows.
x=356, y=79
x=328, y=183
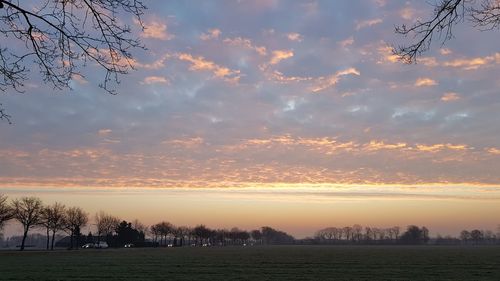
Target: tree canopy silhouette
x=483, y=14
x=61, y=37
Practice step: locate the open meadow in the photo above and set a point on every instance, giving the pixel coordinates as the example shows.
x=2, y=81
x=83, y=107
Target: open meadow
x=257, y=263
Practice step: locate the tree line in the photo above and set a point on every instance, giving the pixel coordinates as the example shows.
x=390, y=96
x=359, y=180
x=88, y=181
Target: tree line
x=31, y=213
x=57, y=219
x=358, y=234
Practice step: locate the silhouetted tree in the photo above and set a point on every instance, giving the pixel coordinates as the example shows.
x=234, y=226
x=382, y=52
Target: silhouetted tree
x=105, y=224
x=126, y=234
x=60, y=37
x=273, y=236
x=155, y=231
x=76, y=218
x=484, y=14
x=164, y=229
x=28, y=211
x=357, y=232
x=53, y=219
x=415, y=235
x=465, y=236
x=5, y=211
x=256, y=235
x=183, y=232
x=476, y=235
x=202, y=233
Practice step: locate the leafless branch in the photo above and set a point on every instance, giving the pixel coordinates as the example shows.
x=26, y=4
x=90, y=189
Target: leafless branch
x=60, y=37
x=484, y=14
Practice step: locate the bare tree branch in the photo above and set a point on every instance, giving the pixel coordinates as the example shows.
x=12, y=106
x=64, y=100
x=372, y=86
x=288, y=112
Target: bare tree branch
x=60, y=37
x=484, y=14
x=447, y=13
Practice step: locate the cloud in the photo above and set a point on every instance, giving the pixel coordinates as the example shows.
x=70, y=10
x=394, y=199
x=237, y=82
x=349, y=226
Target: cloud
x=495, y=151
x=375, y=145
x=201, y=64
x=280, y=55
x=157, y=30
x=104, y=132
x=367, y=23
x=187, y=143
x=445, y=51
x=294, y=36
x=323, y=83
x=425, y=82
x=439, y=147
x=247, y=43
x=450, y=96
x=407, y=13
x=213, y=33
x=157, y=64
x=428, y=61
x=473, y=63
x=155, y=80
x=79, y=78
x=347, y=42
x=385, y=51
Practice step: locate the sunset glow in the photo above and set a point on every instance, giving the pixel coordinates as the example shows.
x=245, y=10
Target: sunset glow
x=294, y=114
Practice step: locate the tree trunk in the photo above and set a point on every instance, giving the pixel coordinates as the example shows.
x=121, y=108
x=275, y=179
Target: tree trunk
x=53, y=237
x=25, y=234
x=71, y=240
x=48, y=237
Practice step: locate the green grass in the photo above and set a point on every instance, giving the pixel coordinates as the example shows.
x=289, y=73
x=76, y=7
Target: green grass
x=257, y=263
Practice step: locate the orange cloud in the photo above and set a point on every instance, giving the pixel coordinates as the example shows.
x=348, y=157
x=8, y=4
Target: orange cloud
x=201, y=64
x=367, y=23
x=245, y=42
x=445, y=51
x=323, y=83
x=347, y=42
x=280, y=77
x=441, y=146
x=424, y=82
x=468, y=64
x=379, y=145
x=104, y=132
x=213, y=33
x=155, y=80
x=294, y=36
x=450, y=96
x=280, y=55
x=157, y=30
x=387, y=55
x=428, y=61
x=186, y=143
x=495, y=151
x=407, y=13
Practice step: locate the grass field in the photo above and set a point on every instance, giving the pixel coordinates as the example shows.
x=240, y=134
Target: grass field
x=257, y=263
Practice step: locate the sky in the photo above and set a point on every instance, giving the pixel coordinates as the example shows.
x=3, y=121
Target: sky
x=289, y=113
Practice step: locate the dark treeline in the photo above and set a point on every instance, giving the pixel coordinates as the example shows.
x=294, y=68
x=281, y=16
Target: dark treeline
x=57, y=219
x=358, y=234
x=412, y=235
x=66, y=226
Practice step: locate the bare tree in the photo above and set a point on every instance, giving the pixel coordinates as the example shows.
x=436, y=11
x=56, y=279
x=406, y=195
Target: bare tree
x=61, y=37
x=105, y=224
x=28, y=211
x=483, y=14
x=76, y=218
x=54, y=220
x=5, y=210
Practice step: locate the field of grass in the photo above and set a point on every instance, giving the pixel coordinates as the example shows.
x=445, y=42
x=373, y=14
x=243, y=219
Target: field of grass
x=257, y=263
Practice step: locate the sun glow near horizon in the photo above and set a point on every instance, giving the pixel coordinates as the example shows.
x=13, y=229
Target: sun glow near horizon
x=288, y=113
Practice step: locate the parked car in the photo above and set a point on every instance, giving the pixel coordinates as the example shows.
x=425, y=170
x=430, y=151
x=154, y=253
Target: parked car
x=101, y=245
x=88, y=246
x=130, y=245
